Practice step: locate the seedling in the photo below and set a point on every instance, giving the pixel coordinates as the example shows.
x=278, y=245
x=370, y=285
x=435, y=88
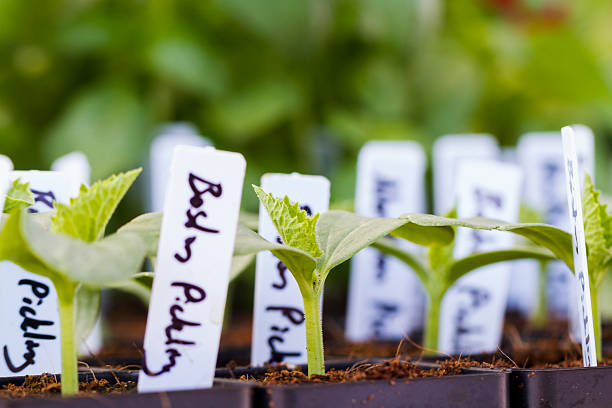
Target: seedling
x=438, y=270
x=68, y=247
x=312, y=246
x=442, y=270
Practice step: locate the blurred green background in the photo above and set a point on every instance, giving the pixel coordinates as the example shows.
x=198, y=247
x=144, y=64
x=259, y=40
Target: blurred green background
x=295, y=85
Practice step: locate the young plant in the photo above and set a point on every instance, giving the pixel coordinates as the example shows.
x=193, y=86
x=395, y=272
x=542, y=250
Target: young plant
x=438, y=270
x=67, y=246
x=312, y=246
x=444, y=270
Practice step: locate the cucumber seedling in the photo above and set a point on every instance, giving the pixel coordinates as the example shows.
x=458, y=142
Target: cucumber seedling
x=440, y=269
x=68, y=247
x=313, y=245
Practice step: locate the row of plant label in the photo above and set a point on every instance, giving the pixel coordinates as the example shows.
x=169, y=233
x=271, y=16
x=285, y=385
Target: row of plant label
x=198, y=250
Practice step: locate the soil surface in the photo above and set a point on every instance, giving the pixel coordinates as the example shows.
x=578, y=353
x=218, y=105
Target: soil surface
x=47, y=385
x=394, y=369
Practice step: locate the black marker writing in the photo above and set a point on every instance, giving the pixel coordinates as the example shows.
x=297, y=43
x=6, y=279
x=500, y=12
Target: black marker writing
x=45, y=197
x=191, y=294
x=199, y=187
x=30, y=325
x=477, y=297
x=578, y=265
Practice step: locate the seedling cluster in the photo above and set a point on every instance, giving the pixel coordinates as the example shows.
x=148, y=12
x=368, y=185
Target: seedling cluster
x=69, y=246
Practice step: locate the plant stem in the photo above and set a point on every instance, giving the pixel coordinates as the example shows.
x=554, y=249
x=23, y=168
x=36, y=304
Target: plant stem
x=65, y=297
x=540, y=317
x=596, y=320
x=432, y=322
x=314, y=334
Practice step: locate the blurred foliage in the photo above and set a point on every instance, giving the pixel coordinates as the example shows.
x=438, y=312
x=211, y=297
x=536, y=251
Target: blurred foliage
x=295, y=85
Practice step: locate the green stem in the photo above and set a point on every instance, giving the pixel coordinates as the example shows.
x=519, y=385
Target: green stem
x=432, y=322
x=314, y=334
x=541, y=315
x=596, y=321
x=67, y=315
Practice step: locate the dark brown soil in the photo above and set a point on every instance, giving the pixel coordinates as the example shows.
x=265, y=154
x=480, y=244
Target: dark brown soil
x=47, y=385
x=394, y=369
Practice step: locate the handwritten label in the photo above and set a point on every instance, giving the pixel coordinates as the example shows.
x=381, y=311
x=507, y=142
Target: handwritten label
x=540, y=154
x=162, y=147
x=386, y=299
x=279, y=331
x=473, y=309
x=192, y=269
x=523, y=290
x=581, y=271
x=30, y=320
x=448, y=152
x=76, y=167
x=6, y=165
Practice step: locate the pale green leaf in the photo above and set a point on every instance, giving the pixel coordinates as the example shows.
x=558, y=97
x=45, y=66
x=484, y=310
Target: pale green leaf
x=13, y=247
x=86, y=216
x=556, y=240
x=87, y=306
x=114, y=258
x=597, y=231
x=295, y=227
x=342, y=234
x=300, y=263
x=19, y=196
x=148, y=227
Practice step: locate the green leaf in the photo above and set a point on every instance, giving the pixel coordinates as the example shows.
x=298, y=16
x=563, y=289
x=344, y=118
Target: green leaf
x=474, y=261
x=86, y=216
x=556, y=240
x=300, y=263
x=295, y=227
x=14, y=248
x=42, y=251
x=87, y=305
x=148, y=227
x=19, y=196
x=342, y=234
x=598, y=232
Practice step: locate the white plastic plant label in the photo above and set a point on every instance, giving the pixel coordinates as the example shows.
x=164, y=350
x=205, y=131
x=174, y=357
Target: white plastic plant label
x=448, y=152
x=540, y=154
x=192, y=269
x=386, y=299
x=574, y=202
x=6, y=166
x=279, y=330
x=472, y=311
x=162, y=147
x=523, y=290
x=76, y=167
x=30, y=319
